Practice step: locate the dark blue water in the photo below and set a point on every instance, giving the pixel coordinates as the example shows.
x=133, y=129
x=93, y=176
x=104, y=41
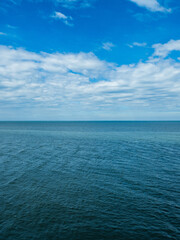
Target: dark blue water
x=89, y=180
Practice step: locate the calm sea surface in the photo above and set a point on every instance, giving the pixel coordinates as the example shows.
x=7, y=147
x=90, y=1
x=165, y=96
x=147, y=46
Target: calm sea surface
x=89, y=180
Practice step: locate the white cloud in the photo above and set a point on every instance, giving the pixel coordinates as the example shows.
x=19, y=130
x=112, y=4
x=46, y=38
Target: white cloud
x=11, y=26
x=137, y=44
x=108, y=46
x=151, y=5
x=163, y=50
x=3, y=34
x=64, y=3
x=75, y=3
x=67, y=82
x=60, y=15
x=65, y=19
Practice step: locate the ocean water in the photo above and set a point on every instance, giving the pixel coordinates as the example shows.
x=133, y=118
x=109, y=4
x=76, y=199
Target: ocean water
x=89, y=180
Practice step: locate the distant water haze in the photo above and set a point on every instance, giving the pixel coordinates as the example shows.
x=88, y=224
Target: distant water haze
x=89, y=180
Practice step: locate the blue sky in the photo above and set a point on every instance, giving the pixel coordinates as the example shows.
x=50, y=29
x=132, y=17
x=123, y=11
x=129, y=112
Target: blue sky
x=89, y=60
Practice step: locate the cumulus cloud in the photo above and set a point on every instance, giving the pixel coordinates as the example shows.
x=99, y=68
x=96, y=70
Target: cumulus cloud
x=64, y=80
x=108, y=46
x=151, y=5
x=163, y=50
x=65, y=19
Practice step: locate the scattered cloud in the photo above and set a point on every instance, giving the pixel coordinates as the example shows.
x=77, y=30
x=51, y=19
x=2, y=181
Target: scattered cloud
x=75, y=3
x=163, y=50
x=146, y=16
x=68, y=81
x=11, y=26
x=137, y=44
x=151, y=5
x=3, y=34
x=108, y=46
x=65, y=19
x=64, y=3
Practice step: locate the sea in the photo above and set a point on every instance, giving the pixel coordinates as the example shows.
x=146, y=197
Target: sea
x=90, y=180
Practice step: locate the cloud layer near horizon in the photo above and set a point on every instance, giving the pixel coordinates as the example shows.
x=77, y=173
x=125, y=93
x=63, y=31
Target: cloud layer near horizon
x=64, y=80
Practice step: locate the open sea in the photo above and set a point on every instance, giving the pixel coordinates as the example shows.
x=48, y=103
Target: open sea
x=89, y=180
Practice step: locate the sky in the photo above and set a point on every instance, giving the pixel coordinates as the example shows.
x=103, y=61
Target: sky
x=89, y=60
